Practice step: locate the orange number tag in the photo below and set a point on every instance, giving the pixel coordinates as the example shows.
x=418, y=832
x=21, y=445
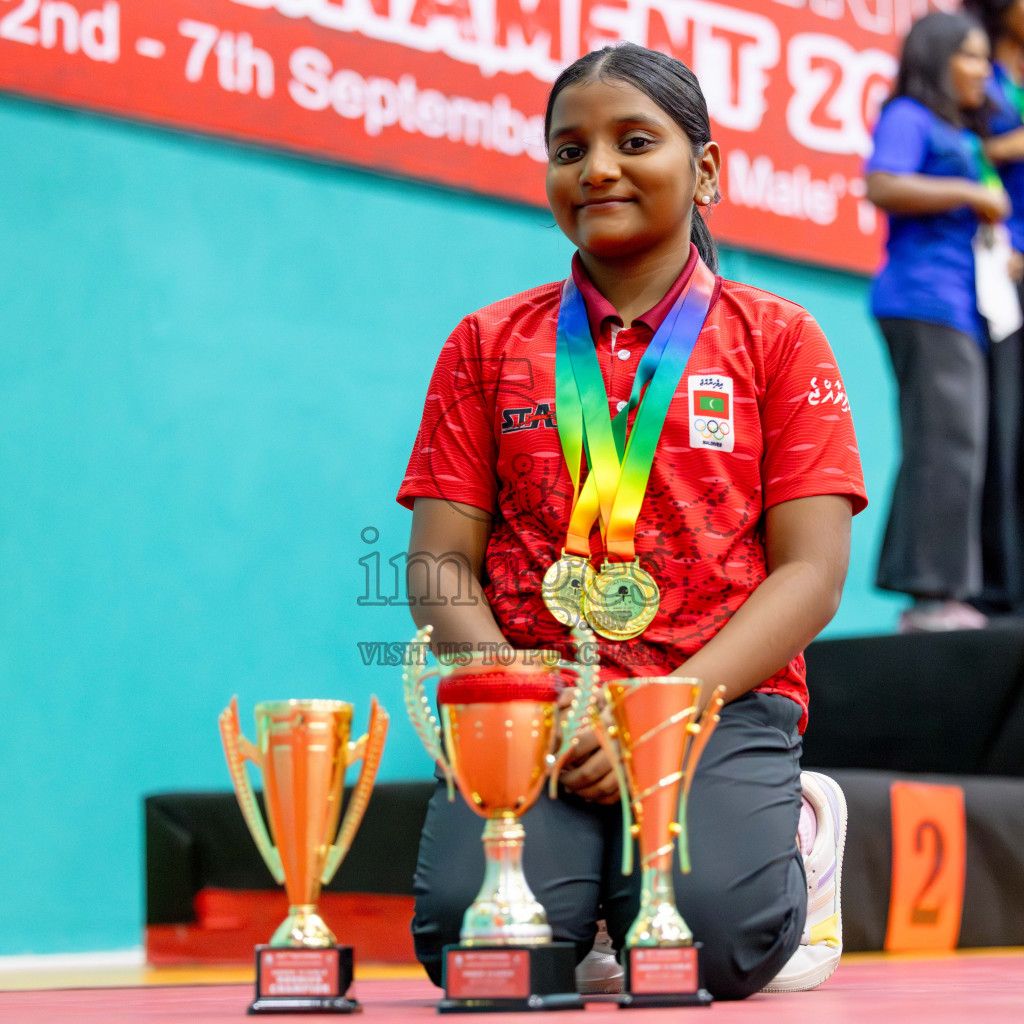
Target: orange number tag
x=929, y=856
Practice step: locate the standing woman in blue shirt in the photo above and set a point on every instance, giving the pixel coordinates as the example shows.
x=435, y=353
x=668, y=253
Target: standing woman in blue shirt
x=1003, y=510
x=926, y=173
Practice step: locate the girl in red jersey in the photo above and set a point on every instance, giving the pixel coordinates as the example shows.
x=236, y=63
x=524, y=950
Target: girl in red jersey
x=722, y=423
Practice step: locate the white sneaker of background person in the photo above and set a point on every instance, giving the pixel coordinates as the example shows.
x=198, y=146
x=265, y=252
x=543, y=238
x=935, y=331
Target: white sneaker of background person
x=599, y=973
x=821, y=944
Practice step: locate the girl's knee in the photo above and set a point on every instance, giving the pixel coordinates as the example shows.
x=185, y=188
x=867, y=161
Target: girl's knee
x=435, y=924
x=740, y=957
x=431, y=962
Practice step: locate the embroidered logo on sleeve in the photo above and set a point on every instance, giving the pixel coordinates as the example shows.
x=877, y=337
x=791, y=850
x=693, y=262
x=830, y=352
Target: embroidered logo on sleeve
x=827, y=390
x=711, y=412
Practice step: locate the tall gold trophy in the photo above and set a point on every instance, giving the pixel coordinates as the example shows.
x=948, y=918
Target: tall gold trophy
x=655, y=738
x=500, y=743
x=303, y=749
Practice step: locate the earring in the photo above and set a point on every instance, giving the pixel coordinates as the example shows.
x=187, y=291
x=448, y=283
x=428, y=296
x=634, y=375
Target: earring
x=706, y=200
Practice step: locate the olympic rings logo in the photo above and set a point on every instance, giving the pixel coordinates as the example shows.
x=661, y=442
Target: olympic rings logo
x=712, y=429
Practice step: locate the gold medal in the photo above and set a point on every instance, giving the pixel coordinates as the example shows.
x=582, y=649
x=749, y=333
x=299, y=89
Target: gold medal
x=620, y=601
x=563, y=586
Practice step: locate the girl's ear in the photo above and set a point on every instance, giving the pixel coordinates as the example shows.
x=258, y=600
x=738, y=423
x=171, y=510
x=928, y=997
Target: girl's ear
x=708, y=166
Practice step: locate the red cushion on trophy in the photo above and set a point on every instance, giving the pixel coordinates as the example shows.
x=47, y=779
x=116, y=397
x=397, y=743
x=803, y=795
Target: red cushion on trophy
x=500, y=687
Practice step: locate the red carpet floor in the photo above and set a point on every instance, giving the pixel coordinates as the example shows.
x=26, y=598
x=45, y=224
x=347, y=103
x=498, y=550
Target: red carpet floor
x=987, y=988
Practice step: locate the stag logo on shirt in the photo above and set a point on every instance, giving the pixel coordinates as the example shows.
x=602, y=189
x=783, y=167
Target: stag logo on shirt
x=711, y=414
x=526, y=417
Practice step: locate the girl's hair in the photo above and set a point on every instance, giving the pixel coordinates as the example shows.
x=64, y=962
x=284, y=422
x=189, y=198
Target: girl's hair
x=666, y=81
x=991, y=14
x=924, y=68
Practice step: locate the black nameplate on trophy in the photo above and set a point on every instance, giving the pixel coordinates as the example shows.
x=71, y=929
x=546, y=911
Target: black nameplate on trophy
x=663, y=976
x=293, y=980
x=502, y=978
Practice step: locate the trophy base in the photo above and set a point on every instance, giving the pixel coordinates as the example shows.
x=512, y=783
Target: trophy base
x=308, y=1004
x=663, y=976
x=478, y=979
x=293, y=980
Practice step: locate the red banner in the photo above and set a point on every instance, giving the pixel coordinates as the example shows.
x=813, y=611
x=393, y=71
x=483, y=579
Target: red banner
x=452, y=91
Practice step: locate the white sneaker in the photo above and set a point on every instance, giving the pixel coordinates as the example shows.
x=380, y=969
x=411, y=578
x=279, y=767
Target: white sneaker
x=821, y=944
x=599, y=973
x=940, y=616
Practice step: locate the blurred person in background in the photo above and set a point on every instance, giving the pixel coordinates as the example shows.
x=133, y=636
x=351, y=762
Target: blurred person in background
x=929, y=174
x=1003, y=507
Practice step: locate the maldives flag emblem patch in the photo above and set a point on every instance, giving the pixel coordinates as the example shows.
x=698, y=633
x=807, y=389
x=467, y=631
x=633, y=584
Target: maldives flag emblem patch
x=710, y=403
x=711, y=414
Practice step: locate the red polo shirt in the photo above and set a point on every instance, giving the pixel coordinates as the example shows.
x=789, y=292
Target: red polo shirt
x=760, y=416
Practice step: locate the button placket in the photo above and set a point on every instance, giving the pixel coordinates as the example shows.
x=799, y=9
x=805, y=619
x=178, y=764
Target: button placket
x=623, y=367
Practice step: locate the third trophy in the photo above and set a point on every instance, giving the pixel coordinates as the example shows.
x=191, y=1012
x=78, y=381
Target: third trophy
x=497, y=740
x=654, y=733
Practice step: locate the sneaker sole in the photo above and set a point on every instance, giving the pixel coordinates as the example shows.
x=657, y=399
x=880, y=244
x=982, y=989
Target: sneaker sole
x=812, y=979
x=607, y=988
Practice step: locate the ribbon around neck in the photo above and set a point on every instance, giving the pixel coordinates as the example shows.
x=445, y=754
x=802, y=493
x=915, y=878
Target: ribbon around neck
x=620, y=466
x=987, y=174
x=1014, y=91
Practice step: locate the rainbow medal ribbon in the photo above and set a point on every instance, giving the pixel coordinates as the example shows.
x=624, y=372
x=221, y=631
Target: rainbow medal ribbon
x=567, y=578
x=987, y=174
x=622, y=599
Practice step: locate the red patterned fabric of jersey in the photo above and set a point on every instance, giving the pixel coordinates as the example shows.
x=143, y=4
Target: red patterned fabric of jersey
x=760, y=417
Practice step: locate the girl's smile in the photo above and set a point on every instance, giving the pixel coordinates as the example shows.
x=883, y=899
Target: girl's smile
x=606, y=202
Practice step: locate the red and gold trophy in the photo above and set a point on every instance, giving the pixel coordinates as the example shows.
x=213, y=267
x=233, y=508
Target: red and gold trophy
x=302, y=749
x=654, y=739
x=498, y=740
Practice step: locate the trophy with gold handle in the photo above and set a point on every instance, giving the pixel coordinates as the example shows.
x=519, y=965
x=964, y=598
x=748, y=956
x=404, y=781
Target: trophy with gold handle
x=654, y=732
x=303, y=748
x=498, y=740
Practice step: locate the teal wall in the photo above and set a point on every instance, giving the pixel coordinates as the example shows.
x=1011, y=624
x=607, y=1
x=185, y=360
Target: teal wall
x=212, y=364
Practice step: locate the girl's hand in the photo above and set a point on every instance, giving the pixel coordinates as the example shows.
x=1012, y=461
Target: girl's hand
x=588, y=773
x=1015, y=266
x=990, y=205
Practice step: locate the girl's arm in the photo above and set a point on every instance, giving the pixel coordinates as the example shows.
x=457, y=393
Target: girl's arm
x=1005, y=148
x=918, y=195
x=807, y=543
x=444, y=572
x=446, y=558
